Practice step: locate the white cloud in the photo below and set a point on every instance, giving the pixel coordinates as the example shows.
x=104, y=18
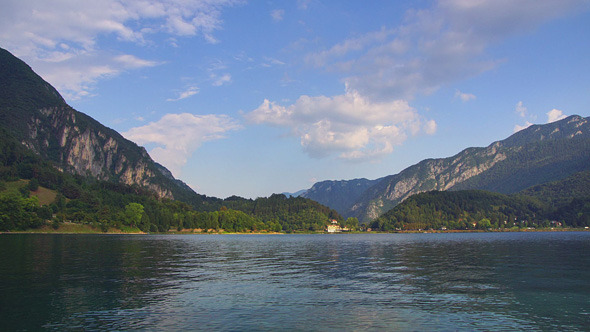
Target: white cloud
x=430, y=127
x=190, y=91
x=59, y=38
x=555, y=115
x=178, y=136
x=520, y=109
x=277, y=15
x=435, y=46
x=133, y=62
x=518, y=128
x=75, y=75
x=465, y=97
x=349, y=125
x=221, y=80
x=343, y=49
x=269, y=62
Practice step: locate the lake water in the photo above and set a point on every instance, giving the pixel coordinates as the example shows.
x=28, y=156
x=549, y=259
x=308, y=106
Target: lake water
x=404, y=282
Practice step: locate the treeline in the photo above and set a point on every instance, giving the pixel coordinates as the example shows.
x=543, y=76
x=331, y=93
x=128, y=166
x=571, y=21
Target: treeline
x=476, y=209
x=107, y=204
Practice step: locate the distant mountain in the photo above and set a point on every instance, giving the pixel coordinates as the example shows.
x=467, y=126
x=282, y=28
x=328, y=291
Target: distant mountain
x=295, y=194
x=533, y=156
x=536, y=155
x=34, y=113
x=565, y=202
x=339, y=195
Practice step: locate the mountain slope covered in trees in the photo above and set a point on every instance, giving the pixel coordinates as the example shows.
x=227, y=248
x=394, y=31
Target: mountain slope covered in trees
x=106, y=205
x=36, y=115
x=339, y=195
x=97, y=177
x=533, y=156
x=559, y=203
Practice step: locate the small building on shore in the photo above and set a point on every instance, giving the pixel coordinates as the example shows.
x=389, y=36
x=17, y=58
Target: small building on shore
x=333, y=227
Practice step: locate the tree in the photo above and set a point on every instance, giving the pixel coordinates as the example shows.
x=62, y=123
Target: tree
x=133, y=214
x=33, y=184
x=484, y=224
x=352, y=223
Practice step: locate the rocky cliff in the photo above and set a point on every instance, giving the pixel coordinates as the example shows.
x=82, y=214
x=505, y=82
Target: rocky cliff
x=533, y=156
x=80, y=145
x=35, y=113
x=536, y=155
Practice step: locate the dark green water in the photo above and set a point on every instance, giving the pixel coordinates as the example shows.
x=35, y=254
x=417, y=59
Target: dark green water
x=484, y=281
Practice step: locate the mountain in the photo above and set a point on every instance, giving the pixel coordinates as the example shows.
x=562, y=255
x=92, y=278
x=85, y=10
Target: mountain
x=562, y=192
x=464, y=209
x=33, y=112
x=533, y=156
x=339, y=195
x=565, y=202
x=295, y=194
x=536, y=155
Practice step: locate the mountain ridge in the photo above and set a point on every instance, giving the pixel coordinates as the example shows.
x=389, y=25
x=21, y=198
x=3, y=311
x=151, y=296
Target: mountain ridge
x=532, y=156
x=346, y=192
x=38, y=116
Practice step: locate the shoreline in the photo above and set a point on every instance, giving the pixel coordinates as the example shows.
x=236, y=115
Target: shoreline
x=88, y=229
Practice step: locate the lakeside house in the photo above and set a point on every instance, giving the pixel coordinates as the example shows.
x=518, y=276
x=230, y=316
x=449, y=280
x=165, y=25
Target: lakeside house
x=333, y=227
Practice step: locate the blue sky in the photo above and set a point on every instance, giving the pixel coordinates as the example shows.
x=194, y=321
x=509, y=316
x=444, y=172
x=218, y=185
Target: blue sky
x=258, y=97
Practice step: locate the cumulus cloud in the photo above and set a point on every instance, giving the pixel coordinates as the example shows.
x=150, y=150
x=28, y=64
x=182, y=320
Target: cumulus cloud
x=349, y=125
x=59, y=38
x=519, y=127
x=387, y=68
x=523, y=112
x=435, y=46
x=178, y=136
x=465, y=97
x=190, y=91
x=555, y=115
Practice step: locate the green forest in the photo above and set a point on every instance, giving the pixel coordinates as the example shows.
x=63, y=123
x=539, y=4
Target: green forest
x=106, y=205
x=34, y=194
x=483, y=210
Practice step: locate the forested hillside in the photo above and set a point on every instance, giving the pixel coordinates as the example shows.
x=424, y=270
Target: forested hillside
x=339, y=195
x=35, y=114
x=560, y=203
x=533, y=156
x=109, y=205
x=469, y=209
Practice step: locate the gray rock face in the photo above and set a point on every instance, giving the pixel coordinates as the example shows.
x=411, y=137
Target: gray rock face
x=82, y=146
x=533, y=156
x=35, y=114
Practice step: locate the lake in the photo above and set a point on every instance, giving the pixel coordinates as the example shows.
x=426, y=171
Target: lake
x=403, y=282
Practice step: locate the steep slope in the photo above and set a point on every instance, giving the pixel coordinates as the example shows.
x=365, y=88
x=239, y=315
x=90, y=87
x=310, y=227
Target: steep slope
x=33, y=112
x=566, y=201
x=339, y=195
x=533, y=156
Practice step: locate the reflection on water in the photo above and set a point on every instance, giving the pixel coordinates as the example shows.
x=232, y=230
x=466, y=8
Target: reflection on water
x=485, y=281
